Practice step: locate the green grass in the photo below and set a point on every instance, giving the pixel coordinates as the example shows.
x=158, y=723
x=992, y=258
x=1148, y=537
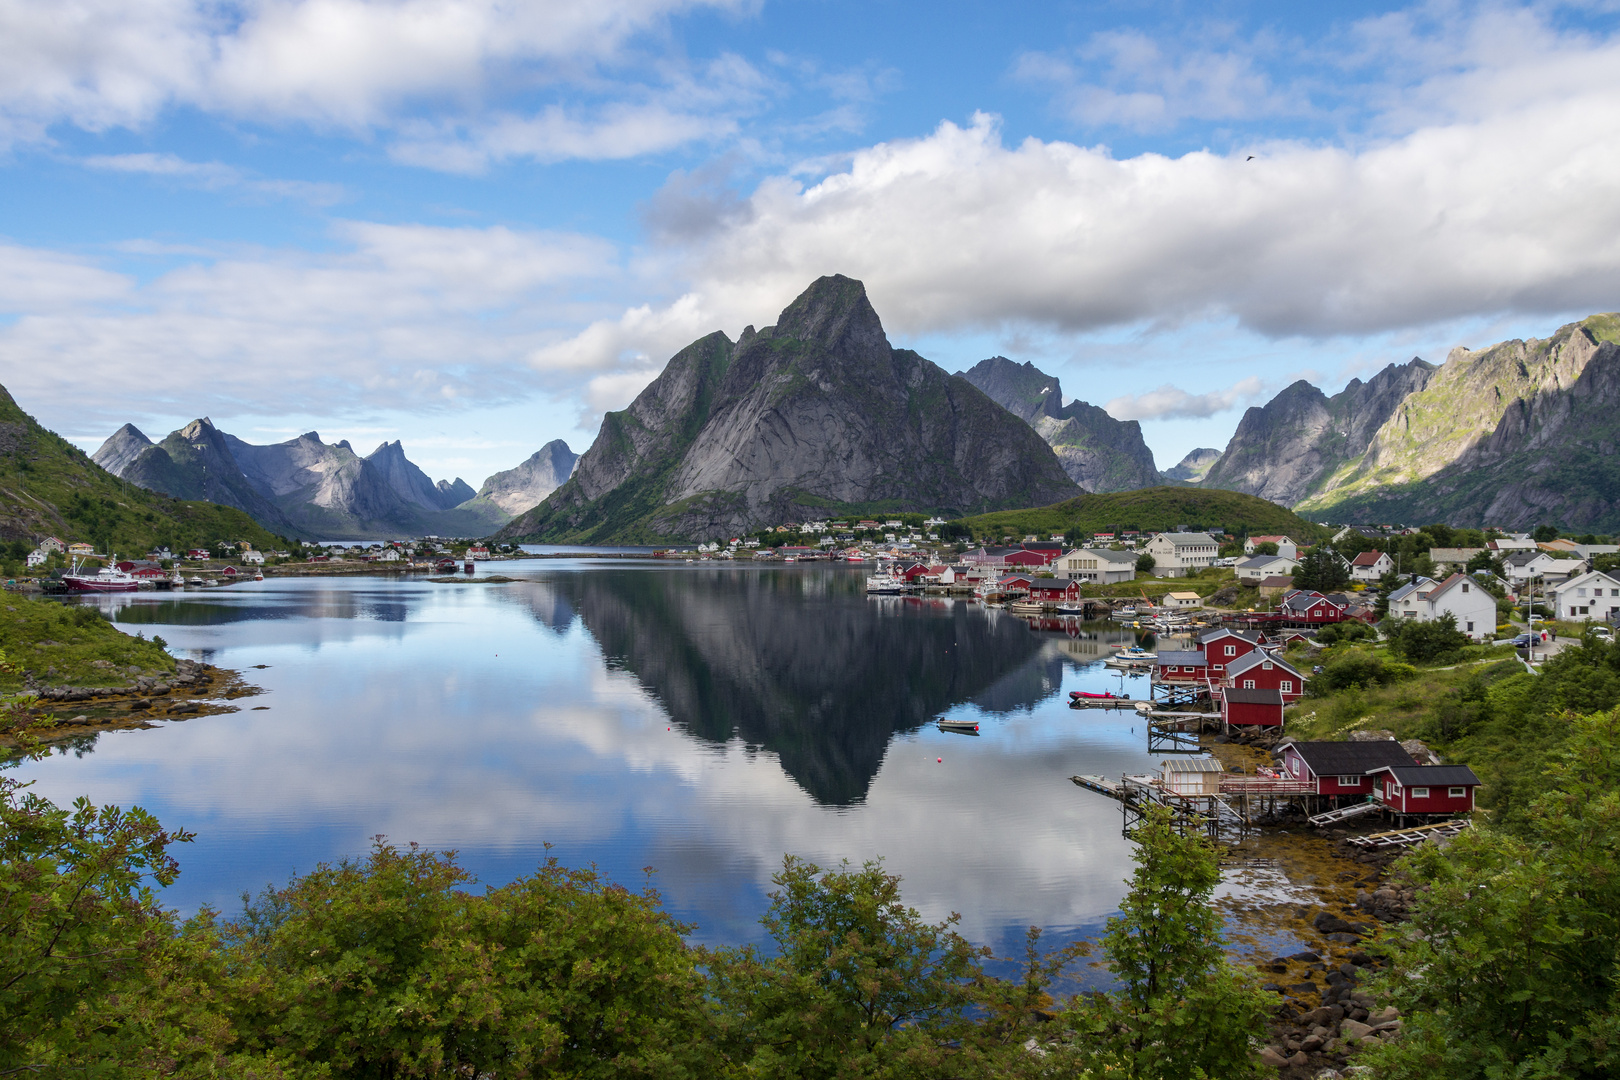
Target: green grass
x=68, y=645
x=1156, y=509
x=49, y=487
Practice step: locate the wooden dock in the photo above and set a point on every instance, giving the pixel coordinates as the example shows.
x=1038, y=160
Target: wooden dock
x=1415, y=835
x=1102, y=703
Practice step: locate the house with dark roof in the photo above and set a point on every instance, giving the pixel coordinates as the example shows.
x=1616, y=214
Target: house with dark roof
x=1425, y=789
x=1182, y=667
x=1341, y=768
x=1311, y=608
x=1259, y=670
x=1223, y=646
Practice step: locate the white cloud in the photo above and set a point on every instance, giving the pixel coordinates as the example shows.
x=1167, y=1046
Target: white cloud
x=1169, y=402
x=1515, y=211
x=398, y=316
x=216, y=176
x=350, y=64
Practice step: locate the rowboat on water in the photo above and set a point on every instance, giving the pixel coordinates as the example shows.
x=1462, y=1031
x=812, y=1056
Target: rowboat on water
x=1076, y=695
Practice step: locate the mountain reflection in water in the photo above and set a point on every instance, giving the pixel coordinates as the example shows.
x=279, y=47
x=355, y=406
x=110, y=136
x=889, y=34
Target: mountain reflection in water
x=702, y=720
x=805, y=666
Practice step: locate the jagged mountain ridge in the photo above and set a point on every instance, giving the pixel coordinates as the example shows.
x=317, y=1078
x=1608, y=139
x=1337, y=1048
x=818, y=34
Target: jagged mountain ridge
x=121, y=448
x=527, y=485
x=1285, y=450
x=302, y=487
x=814, y=416
x=1097, y=452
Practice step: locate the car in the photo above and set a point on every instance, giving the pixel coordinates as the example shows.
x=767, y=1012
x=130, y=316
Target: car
x=1524, y=641
x=1602, y=633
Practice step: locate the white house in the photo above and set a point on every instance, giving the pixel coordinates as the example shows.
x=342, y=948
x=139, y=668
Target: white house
x=37, y=557
x=1174, y=554
x=1521, y=566
x=1285, y=547
x=1264, y=566
x=1426, y=600
x=1591, y=596
x=1097, y=565
x=1182, y=600
x=256, y=558
x=1371, y=565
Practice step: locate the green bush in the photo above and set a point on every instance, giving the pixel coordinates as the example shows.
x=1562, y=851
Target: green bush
x=1433, y=642
x=1344, y=632
x=1347, y=667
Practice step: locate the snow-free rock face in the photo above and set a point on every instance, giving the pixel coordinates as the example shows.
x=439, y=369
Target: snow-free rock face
x=809, y=418
x=196, y=462
x=1097, y=451
x=1295, y=443
x=1195, y=466
x=526, y=486
x=121, y=448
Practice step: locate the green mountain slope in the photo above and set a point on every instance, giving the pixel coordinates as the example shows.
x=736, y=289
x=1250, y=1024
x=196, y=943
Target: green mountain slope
x=1158, y=509
x=49, y=487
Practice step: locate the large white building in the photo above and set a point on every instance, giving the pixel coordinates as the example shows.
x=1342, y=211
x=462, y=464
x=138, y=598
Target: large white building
x=1100, y=566
x=1177, y=554
x=1426, y=600
x=1587, y=597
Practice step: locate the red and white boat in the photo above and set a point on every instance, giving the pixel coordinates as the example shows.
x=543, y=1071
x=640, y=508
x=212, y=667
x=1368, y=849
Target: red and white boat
x=1076, y=695
x=107, y=579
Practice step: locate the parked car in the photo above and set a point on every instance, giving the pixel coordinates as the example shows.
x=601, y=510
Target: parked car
x=1602, y=633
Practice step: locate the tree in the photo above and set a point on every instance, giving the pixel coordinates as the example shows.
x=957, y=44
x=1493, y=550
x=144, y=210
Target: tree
x=861, y=986
x=1266, y=547
x=1511, y=971
x=1544, y=534
x=1182, y=1010
x=1321, y=569
x=1145, y=563
x=1426, y=641
x=1485, y=560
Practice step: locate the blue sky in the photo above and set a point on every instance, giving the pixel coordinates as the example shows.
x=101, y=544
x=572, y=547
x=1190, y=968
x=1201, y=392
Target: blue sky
x=474, y=225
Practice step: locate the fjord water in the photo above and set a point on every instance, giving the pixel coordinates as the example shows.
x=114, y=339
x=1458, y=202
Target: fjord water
x=698, y=719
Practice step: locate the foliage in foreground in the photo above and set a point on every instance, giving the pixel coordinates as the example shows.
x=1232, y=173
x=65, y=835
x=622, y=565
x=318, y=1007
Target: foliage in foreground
x=1514, y=968
x=392, y=966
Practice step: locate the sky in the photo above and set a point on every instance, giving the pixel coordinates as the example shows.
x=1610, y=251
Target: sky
x=475, y=225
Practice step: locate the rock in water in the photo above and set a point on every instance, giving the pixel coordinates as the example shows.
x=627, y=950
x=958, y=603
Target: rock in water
x=1097, y=452
x=810, y=418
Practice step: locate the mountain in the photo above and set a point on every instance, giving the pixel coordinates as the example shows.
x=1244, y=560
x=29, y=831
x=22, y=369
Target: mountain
x=526, y=486
x=1097, y=452
x=1517, y=434
x=813, y=417
x=1288, y=448
x=124, y=446
x=49, y=487
x=303, y=487
x=196, y=462
x=1195, y=466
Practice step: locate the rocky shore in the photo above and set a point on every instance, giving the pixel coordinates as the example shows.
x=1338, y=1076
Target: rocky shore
x=194, y=689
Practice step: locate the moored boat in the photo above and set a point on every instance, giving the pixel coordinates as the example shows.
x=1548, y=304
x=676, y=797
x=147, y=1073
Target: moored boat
x=885, y=583
x=107, y=579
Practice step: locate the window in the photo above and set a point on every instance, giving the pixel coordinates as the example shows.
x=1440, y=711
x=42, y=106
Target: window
x=1580, y=592
x=1457, y=792
x=1287, y=686
x=1465, y=587
x=1248, y=684
x=1420, y=793
x=1470, y=628
x=1349, y=781
x=1393, y=788
x=1231, y=650
x=1265, y=666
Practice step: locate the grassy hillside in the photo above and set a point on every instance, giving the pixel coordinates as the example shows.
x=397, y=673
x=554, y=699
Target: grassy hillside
x=66, y=645
x=49, y=487
x=1155, y=509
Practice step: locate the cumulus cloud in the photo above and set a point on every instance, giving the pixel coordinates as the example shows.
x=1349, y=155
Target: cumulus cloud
x=396, y=316
x=1513, y=211
x=1171, y=402
x=352, y=64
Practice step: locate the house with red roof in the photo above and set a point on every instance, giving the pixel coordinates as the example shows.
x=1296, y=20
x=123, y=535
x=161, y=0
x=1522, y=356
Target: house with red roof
x=1370, y=566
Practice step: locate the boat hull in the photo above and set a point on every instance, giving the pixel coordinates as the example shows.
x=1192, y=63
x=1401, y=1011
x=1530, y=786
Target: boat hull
x=92, y=585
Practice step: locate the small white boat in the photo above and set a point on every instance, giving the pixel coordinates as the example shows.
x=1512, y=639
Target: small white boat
x=1136, y=653
x=885, y=583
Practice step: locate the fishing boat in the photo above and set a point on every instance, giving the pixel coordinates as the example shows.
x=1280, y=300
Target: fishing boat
x=885, y=583
x=107, y=579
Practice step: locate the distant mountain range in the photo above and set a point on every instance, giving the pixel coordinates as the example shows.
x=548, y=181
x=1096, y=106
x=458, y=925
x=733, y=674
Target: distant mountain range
x=1517, y=434
x=310, y=489
x=1097, y=452
x=813, y=417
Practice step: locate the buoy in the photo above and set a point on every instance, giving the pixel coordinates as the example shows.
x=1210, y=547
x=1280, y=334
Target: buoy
x=940, y=760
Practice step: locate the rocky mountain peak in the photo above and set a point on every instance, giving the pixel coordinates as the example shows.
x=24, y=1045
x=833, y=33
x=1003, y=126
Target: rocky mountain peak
x=835, y=314
x=198, y=428
x=121, y=449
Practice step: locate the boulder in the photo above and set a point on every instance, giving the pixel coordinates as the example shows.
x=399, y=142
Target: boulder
x=1384, y=1015
x=1352, y=1029
x=1273, y=1057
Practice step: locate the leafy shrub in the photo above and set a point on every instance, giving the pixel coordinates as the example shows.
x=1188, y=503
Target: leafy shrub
x=1358, y=667
x=1341, y=633
x=1432, y=642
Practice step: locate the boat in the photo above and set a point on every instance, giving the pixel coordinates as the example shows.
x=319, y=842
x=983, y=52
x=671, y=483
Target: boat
x=258, y=575
x=1024, y=607
x=1076, y=695
x=885, y=583
x=1071, y=609
x=196, y=581
x=961, y=727
x=107, y=579
x=1136, y=652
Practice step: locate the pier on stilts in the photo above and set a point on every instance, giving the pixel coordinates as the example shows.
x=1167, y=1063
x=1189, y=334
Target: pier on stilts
x=1239, y=804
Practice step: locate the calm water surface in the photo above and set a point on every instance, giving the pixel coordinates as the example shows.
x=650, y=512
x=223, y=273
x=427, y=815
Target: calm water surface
x=698, y=719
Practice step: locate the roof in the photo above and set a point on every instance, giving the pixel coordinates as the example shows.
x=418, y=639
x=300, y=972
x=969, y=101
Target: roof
x=1454, y=579
x=1269, y=539
x=1255, y=562
x=1043, y=545
x=1197, y=764
x=1276, y=581
x=1348, y=758
x=1251, y=636
x=1110, y=555
x=1053, y=584
x=1302, y=601
x=1409, y=588
x=1182, y=659
x=1239, y=696
x=1183, y=596
x=1430, y=775
x=1453, y=554
x=1525, y=558
x=1368, y=558
x=1186, y=538
x=1254, y=659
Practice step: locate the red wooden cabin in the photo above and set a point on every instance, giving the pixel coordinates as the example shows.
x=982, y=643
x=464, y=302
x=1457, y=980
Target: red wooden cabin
x=1425, y=789
x=1252, y=708
x=1341, y=768
x=1259, y=670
